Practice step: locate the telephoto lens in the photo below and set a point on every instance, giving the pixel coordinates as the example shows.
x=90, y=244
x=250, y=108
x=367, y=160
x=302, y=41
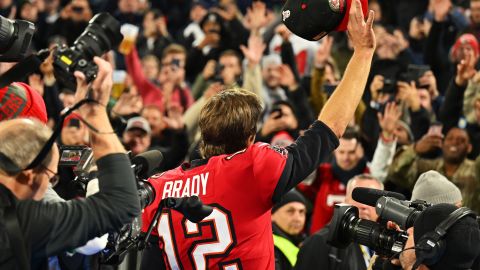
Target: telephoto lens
x=346, y=228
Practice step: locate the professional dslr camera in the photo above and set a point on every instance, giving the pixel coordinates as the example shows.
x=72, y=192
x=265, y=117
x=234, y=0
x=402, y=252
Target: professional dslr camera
x=346, y=227
x=101, y=35
x=15, y=38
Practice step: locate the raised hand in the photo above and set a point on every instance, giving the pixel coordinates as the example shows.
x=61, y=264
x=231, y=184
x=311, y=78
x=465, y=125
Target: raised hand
x=388, y=120
x=256, y=16
x=174, y=119
x=360, y=32
x=127, y=104
x=228, y=13
x=466, y=69
x=254, y=51
x=99, y=90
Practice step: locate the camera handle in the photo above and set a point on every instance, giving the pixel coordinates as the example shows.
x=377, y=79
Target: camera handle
x=24, y=68
x=144, y=240
x=191, y=207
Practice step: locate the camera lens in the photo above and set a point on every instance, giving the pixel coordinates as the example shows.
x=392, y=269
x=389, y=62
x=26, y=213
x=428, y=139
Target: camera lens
x=15, y=38
x=101, y=35
x=376, y=237
x=145, y=193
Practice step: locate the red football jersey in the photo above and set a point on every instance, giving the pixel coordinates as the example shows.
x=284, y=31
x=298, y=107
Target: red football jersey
x=238, y=233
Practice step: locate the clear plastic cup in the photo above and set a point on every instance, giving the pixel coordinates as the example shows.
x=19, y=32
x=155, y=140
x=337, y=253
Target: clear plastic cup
x=130, y=33
x=118, y=87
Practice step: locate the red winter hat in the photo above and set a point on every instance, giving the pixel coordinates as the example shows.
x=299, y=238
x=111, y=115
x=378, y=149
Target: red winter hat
x=313, y=19
x=20, y=100
x=462, y=40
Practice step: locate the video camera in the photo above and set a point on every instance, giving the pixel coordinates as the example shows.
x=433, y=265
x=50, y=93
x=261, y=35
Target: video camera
x=347, y=227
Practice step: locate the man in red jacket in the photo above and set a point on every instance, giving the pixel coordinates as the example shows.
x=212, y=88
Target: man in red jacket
x=330, y=184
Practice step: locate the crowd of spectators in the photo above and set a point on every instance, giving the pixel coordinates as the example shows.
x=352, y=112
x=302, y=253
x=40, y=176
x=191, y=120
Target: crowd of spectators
x=420, y=111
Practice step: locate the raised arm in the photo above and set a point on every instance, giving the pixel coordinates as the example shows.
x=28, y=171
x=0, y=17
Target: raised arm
x=340, y=107
x=320, y=139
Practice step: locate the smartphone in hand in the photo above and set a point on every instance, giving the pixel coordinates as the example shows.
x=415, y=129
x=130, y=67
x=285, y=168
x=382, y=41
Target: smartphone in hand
x=435, y=129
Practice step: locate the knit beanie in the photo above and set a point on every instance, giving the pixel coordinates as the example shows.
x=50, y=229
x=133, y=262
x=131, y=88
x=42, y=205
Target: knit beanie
x=407, y=129
x=291, y=196
x=461, y=240
x=435, y=188
x=20, y=100
x=464, y=39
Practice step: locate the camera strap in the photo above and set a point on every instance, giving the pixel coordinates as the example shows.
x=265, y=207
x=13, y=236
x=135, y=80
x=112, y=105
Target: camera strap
x=24, y=68
x=17, y=242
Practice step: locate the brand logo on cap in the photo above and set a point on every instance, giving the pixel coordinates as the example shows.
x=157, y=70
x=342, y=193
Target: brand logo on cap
x=336, y=5
x=285, y=14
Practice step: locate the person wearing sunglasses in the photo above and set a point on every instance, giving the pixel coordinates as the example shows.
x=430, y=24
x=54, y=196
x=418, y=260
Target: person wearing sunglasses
x=32, y=229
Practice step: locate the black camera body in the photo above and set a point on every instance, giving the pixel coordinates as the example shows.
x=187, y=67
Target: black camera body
x=101, y=35
x=67, y=60
x=346, y=227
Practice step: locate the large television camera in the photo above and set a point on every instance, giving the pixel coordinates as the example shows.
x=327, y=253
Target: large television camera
x=347, y=227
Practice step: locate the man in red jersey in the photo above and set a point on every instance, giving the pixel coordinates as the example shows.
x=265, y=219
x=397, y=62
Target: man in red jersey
x=242, y=180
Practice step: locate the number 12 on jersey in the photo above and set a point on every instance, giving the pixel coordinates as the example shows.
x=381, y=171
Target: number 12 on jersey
x=200, y=251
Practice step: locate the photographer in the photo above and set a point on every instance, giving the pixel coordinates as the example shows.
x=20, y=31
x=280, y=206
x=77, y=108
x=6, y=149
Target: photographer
x=461, y=241
x=36, y=230
x=316, y=253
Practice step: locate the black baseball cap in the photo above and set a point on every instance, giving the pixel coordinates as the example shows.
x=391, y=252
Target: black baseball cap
x=314, y=19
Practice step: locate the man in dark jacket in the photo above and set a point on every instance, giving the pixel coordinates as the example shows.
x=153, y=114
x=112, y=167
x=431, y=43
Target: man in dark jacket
x=33, y=230
x=288, y=221
x=316, y=253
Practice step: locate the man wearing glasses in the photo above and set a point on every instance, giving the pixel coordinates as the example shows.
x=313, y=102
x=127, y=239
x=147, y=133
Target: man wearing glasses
x=31, y=230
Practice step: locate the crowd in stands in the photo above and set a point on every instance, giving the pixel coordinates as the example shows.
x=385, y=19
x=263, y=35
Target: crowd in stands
x=420, y=110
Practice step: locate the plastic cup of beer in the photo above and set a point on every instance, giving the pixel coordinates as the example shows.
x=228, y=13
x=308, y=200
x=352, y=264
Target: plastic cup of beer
x=129, y=32
x=118, y=87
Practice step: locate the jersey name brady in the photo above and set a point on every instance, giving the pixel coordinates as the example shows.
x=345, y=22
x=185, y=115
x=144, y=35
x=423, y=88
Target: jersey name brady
x=196, y=185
